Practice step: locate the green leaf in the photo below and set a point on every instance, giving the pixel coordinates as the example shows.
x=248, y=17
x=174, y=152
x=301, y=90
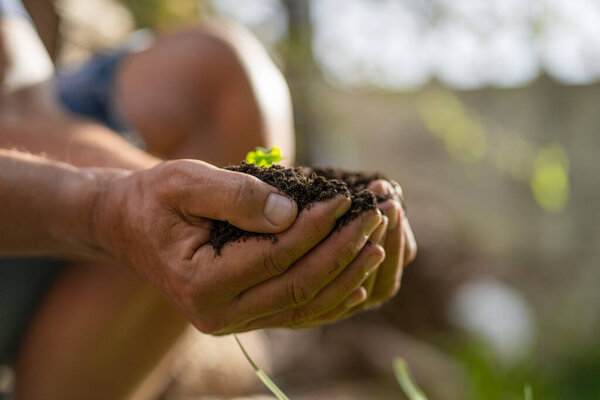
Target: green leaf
x=262, y=375
x=263, y=157
x=406, y=382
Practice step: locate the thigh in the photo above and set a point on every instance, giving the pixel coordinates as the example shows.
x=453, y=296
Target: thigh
x=99, y=331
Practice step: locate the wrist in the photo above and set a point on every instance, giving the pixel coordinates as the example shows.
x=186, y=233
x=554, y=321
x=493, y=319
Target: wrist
x=91, y=194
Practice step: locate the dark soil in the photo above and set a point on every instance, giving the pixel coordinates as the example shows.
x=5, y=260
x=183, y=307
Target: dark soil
x=306, y=186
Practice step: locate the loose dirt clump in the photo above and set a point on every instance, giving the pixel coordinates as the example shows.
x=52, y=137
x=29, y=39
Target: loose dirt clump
x=306, y=186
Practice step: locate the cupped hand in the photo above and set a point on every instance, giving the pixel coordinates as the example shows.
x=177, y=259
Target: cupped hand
x=158, y=221
x=395, y=236
x=397, y=239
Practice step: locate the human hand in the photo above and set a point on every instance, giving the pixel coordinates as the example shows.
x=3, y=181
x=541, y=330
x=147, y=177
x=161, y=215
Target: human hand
x=398, y=241
x=158, y=221
x=395, y=235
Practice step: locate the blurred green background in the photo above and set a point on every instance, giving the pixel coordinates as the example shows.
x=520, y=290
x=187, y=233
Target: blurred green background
x=486, y=112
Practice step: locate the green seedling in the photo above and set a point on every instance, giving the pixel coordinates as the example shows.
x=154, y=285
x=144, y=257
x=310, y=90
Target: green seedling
x=403, y=377
x=263, y=157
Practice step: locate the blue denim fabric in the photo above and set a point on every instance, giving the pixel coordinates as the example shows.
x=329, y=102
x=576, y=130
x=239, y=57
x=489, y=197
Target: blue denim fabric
x=88, y=89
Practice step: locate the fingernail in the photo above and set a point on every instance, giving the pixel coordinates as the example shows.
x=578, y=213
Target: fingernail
x=371, y=223
x=278, y=209
x=357, y=297
x=379, y=234
x=387, y=188
x=344, y=206
x=371, y=264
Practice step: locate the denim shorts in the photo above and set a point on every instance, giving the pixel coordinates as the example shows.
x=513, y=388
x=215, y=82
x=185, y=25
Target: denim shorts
x=86, y=91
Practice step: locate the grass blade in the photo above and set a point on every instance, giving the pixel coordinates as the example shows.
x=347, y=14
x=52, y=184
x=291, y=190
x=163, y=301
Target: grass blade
x=528, y=395
x=261, y=374
x=406, y=382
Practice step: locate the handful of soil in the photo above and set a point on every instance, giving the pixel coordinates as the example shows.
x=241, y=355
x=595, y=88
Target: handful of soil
x=306, y=186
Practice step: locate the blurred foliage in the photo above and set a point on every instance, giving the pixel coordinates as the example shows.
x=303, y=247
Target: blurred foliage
x=489, y=378
x=467, y=141
x=446, y=118
x=162, y=13
x=550, y=178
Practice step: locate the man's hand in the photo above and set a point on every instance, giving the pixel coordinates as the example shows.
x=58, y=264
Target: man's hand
x=395, y=235
x=398, y=241
x=158, y=221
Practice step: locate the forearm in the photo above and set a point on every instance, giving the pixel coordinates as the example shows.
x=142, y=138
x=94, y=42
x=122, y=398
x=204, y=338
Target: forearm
x=47, y=207
x=29, y=125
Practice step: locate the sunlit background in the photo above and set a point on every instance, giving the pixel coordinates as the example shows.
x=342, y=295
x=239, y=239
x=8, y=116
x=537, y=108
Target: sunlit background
x=487, y=113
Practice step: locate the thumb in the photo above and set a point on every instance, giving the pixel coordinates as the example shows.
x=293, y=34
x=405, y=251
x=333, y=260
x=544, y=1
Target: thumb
x=240, y=199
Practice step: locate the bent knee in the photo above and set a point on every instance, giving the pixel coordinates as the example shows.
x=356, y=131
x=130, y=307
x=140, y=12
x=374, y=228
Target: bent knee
x=210, y=87
x=249, y=95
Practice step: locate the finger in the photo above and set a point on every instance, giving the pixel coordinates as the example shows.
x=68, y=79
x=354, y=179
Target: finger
x=390, y=208
x=398, y=193
x=385, y=188
x=241, y=199
x=248, y=263
x=381, y=187
x=305, y=279
x=390, y=270
x=380, y=240
x=411, y=244
x=370, y=282
x=331, y=296
x=345, y=309
x=393, y=189
x=379, y=232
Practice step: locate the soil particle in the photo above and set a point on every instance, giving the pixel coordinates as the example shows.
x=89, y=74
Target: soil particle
x=306, y=186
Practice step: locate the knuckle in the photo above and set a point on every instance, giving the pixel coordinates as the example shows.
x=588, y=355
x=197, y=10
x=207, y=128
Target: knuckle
x=271, y=263
x=300, y=316
x=337, y=265
x=376, y=250
x=299, y=293
x=320, y=230
x=345, y=254
x=169, y=177
x=239, y=194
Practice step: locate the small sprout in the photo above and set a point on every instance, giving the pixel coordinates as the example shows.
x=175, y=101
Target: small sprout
x=263, y=157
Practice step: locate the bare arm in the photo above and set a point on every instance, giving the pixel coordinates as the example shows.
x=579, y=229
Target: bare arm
x=157, y=222
x=46, y=206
